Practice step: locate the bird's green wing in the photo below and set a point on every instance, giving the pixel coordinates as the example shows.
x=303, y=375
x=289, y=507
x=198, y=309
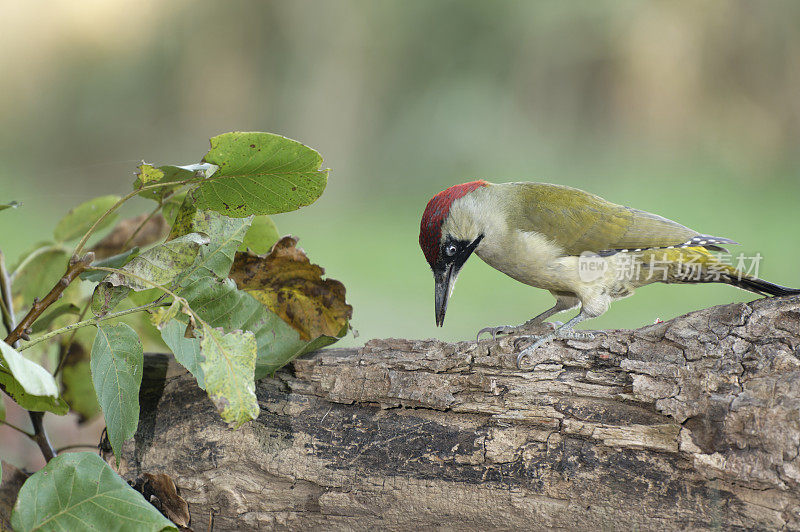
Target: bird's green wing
x=579, y=221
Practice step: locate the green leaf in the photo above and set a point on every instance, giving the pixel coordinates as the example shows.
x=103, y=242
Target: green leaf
x=172, y=206
x=160, y=264
x=186, y=350
x=145, y=296
x=115, y=261
x=10, y=205
x=117, y=365
x=225, y=235
x=29, y=384
x=32, y=377
x=230, y=361
x=260, y=173
x=261, y=236
x=106, y=297
x=79, y=491
x=2, y=413
x=147, y=175
x=221, y=304
x=37, y=403
x=37, y=273
x=79, y=392
x=80, y=219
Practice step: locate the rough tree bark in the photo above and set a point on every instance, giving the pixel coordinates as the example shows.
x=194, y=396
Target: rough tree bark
x=692, y=423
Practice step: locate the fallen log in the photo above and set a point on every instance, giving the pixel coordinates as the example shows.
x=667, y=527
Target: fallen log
x=691, y=423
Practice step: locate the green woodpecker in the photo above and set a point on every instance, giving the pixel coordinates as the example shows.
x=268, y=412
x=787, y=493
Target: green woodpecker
x=585, y=250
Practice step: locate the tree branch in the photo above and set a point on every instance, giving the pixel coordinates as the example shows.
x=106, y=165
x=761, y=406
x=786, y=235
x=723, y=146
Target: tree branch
x=40, y=436
x=687, y=424
x=75, y=268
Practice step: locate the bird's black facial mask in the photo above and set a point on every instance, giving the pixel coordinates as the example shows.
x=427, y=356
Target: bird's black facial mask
x=452, y=256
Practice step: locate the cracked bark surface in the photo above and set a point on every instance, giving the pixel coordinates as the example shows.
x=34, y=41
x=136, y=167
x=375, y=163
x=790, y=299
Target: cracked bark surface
x=691, y=423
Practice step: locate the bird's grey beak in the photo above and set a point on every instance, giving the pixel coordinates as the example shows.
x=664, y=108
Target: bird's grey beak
x=444, y=281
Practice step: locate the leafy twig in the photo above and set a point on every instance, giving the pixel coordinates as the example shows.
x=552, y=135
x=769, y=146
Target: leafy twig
x=90, y=321
x=66, y=347
x=21, y=330
x=184, y=304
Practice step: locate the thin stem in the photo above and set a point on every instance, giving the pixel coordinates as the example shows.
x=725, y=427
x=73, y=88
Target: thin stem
x=84, y=323
x=22, y=431
x=194, y=318
x=149, y=216
x=141, y=225
x=122, y=200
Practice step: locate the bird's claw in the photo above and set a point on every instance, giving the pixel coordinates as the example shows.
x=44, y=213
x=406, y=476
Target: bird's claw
x=494, y=331
x=531, y=348
x=508, y=329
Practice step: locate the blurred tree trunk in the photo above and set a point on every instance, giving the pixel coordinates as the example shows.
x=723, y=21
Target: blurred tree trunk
x=692, y=423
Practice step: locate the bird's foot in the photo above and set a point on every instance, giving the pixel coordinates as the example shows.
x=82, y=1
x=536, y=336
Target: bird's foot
x=565, y=334
x=494, y=331
x=510, y=330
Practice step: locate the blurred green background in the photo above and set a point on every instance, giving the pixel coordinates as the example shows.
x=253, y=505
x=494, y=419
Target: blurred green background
x=686, y=109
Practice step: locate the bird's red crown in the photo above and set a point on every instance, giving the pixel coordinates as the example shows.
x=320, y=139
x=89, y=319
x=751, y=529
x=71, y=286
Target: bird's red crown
x=430, y=229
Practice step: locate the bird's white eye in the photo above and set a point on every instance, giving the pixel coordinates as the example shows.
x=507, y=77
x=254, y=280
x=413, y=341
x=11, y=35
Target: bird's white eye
x=450, y=250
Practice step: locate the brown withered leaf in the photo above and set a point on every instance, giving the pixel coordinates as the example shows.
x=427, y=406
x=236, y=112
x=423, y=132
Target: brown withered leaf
x=153, y=230
x=159, y=489
x=286, y=282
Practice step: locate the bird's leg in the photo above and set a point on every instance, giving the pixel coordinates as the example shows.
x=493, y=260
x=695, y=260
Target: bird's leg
x=565, y=331
x=562, y=303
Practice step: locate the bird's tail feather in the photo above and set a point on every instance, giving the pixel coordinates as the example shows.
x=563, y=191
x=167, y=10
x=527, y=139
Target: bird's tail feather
x=760, y=286
x=697, y=265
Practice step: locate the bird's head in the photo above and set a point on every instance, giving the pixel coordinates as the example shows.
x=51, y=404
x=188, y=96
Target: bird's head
x=448, y=236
